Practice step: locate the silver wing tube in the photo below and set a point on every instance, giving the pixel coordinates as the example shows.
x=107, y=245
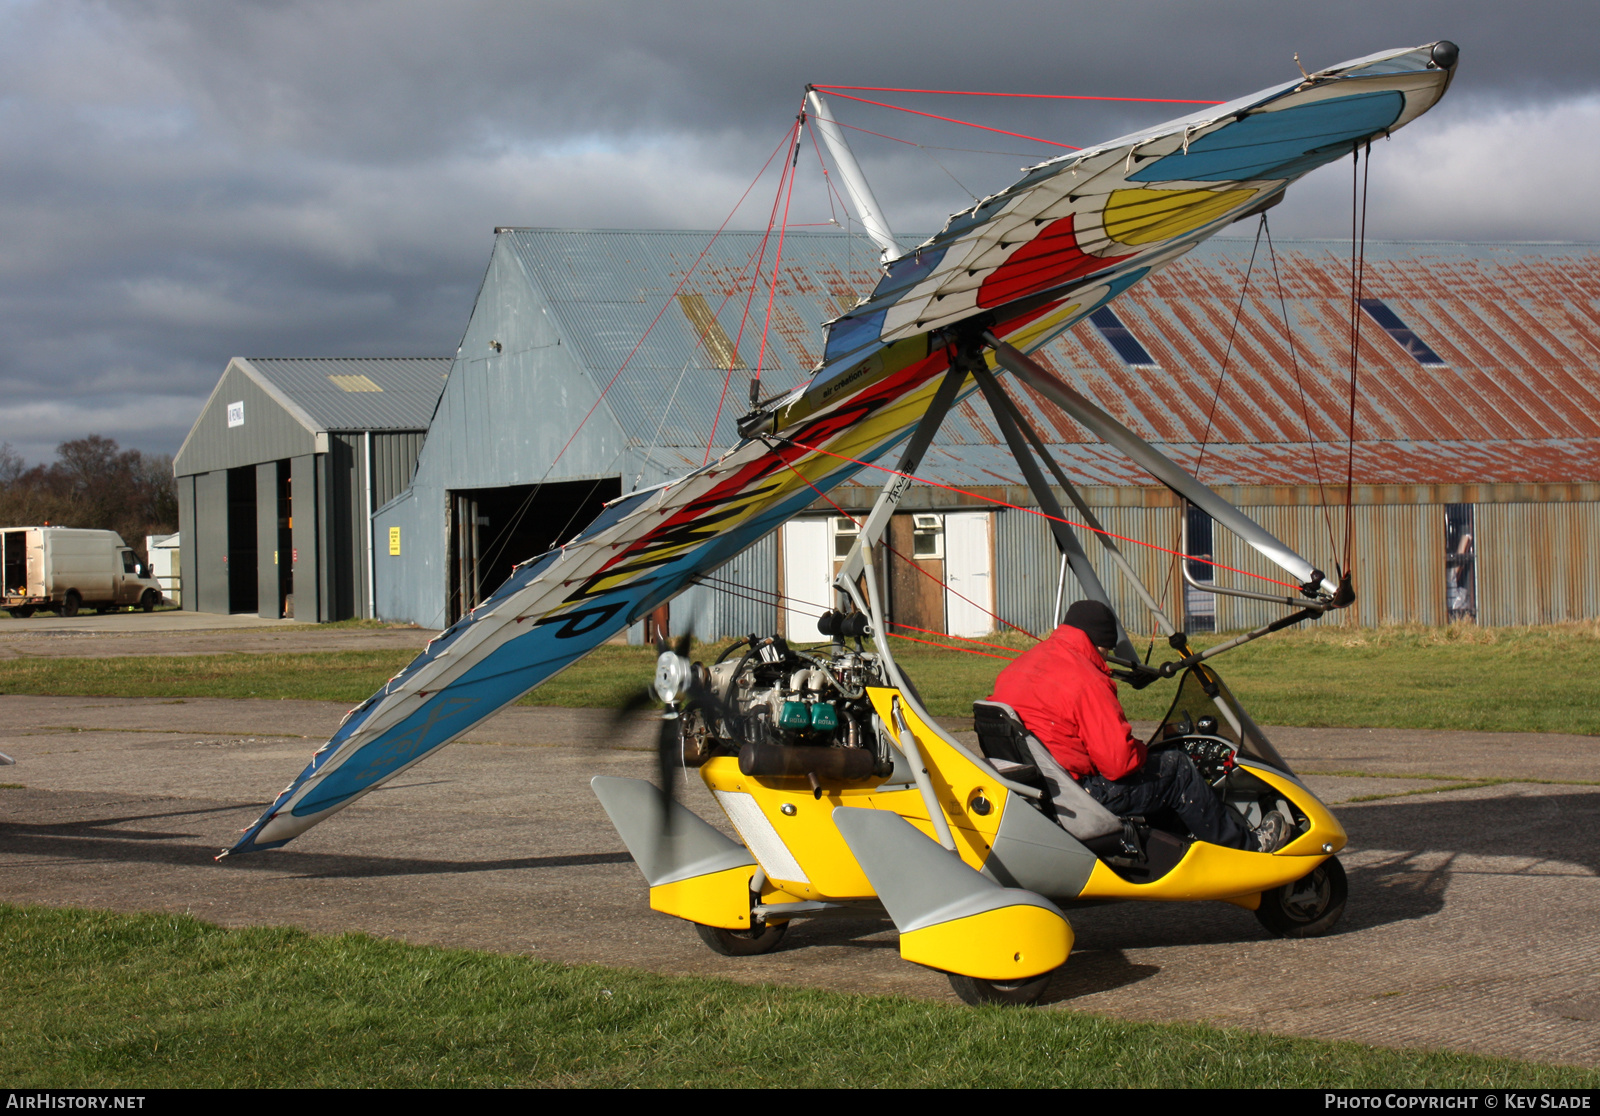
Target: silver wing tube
x=1158, y=465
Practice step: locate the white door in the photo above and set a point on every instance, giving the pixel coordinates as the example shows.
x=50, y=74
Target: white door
x=807, y=575
x=967, y=574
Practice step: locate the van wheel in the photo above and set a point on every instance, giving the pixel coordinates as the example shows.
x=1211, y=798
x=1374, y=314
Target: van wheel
x=21, y=613
x=70, y=606
x=148, y=601
x=1309, y=907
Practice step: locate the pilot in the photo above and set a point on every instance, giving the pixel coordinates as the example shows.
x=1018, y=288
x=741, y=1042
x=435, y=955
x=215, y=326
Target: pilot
x=1064, y=693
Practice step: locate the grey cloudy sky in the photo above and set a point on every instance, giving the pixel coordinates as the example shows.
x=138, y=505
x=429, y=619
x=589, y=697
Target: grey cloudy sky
x=181, y=183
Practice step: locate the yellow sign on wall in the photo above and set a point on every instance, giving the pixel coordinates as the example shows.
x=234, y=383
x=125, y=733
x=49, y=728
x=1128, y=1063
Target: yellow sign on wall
x=394, y=542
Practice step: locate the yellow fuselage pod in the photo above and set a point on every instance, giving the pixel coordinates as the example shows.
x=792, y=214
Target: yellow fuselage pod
x=791, y=831
x=1013, y=942
x=1214, y=872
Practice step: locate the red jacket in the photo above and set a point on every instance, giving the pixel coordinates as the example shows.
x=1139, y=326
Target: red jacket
x=1063, y=691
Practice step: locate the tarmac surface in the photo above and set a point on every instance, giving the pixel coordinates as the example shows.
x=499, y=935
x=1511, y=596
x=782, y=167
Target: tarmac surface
x=174, y=632
x=1473, y=922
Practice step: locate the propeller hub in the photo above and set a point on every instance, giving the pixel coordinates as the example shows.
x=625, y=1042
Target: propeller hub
x=672, y=676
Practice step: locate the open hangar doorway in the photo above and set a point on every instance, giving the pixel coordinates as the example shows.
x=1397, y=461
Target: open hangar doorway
x=493, y=529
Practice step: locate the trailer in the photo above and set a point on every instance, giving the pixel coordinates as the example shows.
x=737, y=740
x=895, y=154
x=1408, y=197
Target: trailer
x=64, y=569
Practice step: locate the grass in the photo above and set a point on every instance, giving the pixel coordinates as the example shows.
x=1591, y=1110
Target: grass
x=102, y=1000
x=1537, y=679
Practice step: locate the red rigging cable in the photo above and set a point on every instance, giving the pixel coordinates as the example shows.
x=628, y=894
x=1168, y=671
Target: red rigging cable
x=953, y=120
x=896, y=553
x=952, y=647
x=668, y=302
x=755, y=277
x=1038, y=96
x=777, y=599
x=1030, y=511
x=793, y=170
x=952, y=635
x=931, y=146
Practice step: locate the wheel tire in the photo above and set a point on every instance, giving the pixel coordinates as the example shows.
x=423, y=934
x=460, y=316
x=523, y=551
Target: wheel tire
x=70, y=606
x=148, y=601
x=1309, y=907
x=1016, y=993
x=742, y=943
x=21, y=613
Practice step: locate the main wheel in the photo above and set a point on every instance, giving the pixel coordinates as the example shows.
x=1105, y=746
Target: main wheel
x=70, y=606
x=742, y=943
x=1020, y=993
x=21, y=613
x=148, y=601
x=1309, y=907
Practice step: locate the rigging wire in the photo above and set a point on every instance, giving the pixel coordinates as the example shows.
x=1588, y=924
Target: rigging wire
x=1037, y=96
x=1205, y=437
x=668, y=302
x=933, y=146
x=1030, y=511
x=745, y=314
x=945, y=585
x=777, y=258
x=777, y=600
x=1305, y=411
x=527, y=501
x=964, y=123
x=1358, y=274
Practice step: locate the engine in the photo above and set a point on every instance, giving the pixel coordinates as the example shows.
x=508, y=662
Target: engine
x=792, y=713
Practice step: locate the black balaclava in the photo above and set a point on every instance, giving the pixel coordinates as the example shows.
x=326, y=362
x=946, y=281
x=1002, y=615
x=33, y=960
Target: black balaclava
x=1095, y=620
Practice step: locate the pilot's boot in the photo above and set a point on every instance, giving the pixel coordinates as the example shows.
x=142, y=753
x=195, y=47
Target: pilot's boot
x=1273, y=833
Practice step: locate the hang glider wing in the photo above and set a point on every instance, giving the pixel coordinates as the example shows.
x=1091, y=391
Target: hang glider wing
x=1025, y=264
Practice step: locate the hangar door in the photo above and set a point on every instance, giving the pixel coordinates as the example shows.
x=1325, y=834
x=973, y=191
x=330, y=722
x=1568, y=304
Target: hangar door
x=493, y=529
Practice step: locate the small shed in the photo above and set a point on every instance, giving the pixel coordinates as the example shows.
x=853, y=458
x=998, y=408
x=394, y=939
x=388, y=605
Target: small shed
x=280, y=474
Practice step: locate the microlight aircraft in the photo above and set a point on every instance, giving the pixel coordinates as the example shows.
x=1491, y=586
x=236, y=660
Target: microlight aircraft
x=847, y=794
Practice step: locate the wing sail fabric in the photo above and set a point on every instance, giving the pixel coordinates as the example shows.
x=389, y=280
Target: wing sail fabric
x=1028, y=262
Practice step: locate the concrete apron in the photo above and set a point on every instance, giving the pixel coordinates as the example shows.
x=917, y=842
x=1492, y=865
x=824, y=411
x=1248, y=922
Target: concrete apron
x=1473, y=924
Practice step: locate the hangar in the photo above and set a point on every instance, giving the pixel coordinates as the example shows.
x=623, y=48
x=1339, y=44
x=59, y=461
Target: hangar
x=279, y=475
x=598, y=362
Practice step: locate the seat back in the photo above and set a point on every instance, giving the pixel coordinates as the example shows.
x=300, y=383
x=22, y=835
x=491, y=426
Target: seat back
x=1003, y=737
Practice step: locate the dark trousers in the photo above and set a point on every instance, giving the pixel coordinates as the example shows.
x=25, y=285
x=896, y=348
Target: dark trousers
x=1168, y=780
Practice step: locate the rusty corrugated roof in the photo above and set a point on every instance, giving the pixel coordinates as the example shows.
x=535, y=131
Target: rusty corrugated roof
x=1517, y=398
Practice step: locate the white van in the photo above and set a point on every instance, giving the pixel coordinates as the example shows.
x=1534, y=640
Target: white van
x=65, y=569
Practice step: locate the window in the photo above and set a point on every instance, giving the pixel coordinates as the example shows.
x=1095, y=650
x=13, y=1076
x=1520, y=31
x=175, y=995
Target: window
x=1120, y=338
x=927, y=536
x=1391, y=324
x=1460, y=565
x=844, y=535
x=1199, y=608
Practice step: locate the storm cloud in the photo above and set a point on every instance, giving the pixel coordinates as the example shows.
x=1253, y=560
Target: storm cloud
x=184, y=183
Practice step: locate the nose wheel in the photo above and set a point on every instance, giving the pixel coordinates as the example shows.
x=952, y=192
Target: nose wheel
x=1309, y=907
x=1020, y=993
x=742, y=943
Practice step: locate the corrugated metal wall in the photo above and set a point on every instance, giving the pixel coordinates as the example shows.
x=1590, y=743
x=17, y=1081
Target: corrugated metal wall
x=1029, y=564
x=716, y=610
x=394, y=460
x=1537, y=563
